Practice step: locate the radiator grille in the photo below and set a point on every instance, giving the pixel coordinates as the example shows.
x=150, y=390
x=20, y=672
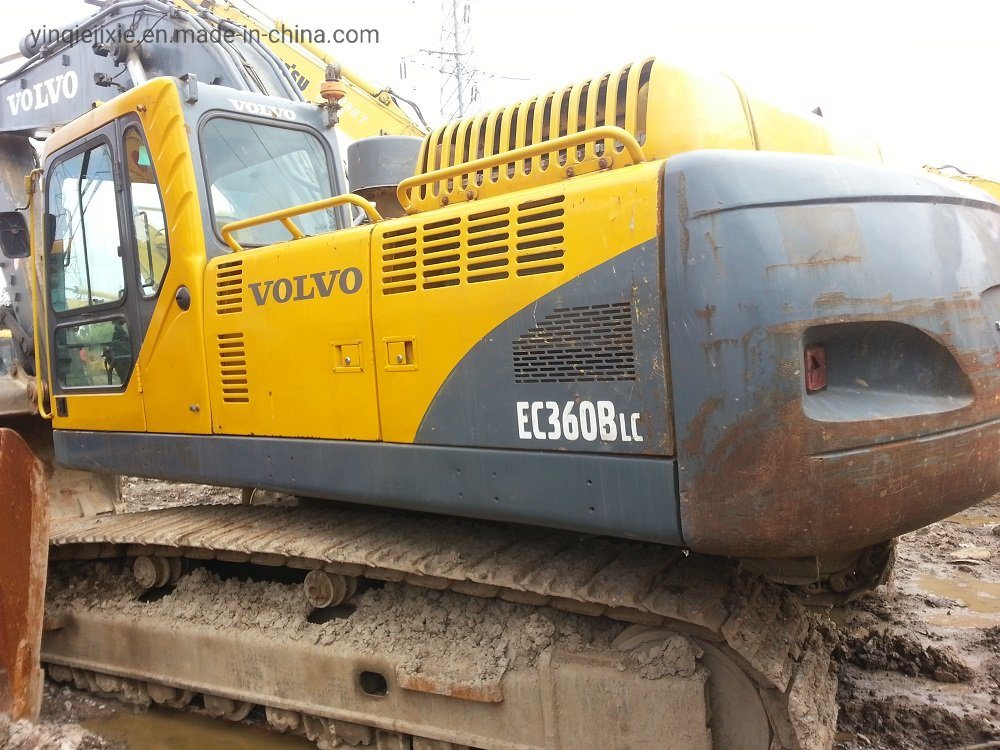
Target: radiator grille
x=233, y=368
x=578, y=344
x=229, y=287
x=619, y=98
x=474, y=248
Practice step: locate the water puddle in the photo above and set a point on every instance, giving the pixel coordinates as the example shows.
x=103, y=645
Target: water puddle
x=167, y=730
x=981, y=600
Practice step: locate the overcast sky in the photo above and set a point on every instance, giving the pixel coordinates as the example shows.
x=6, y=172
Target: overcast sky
x=916, y=77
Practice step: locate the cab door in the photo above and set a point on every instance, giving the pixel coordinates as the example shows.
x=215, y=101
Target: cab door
x=91, y=280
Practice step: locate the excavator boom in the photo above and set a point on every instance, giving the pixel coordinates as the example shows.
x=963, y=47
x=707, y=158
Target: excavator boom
x=367, y=110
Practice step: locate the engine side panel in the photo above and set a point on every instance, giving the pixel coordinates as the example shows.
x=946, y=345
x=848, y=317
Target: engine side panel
x=553, y=285
x=581, y=368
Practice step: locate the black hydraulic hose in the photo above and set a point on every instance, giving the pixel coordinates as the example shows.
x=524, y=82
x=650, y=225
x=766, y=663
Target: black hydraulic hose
x=50, y=49
x=225, y=52
x=413, y=105
x=225, y=56
x=279, y=69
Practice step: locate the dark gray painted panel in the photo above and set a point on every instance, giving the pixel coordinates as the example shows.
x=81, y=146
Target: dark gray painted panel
x=617, y=496
x=745, y=284
x=478, y=405
x=749, y=178
x=895, y=274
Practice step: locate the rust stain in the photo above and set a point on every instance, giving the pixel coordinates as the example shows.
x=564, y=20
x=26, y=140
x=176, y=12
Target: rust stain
x=682, y=216
x=839, y=299
x=716, y=344
x=706, y=313
x=779, y=485
x=710, y=239
x=899, y=312
x=24, y=509
x=485, y=693
x=696, y=429
x=789, y=368
x=817, y=262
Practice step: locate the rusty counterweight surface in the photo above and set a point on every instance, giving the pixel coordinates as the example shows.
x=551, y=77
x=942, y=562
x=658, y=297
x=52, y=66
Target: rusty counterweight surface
x=896, y=279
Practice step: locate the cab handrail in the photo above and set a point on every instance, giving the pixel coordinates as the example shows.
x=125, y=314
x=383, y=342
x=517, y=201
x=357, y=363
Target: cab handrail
x=285, y=217
x=600, y=133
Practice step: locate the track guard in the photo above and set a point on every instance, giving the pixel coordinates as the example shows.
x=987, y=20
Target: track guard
x=23, y=562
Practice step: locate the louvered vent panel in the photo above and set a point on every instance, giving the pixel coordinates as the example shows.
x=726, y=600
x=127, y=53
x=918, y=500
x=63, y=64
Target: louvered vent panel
x=539, y=236
x=480, y=247
x=619, y=98
x=441, y=253
x=229, y=287
x=578, y=344
x=487, y=254
x=233, y=368
x=399, y=261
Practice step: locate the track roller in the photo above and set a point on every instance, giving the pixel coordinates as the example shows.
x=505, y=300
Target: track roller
x=324, y=589
x=154, y=571
x=226, y=708
x=171, y=697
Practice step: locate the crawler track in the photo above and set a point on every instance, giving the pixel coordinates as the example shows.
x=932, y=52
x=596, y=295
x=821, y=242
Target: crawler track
x=752, y=633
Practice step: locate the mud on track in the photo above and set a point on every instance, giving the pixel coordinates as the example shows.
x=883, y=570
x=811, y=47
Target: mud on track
x=919, y=661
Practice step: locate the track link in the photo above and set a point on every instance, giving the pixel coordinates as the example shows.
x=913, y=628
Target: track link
x=757, y=627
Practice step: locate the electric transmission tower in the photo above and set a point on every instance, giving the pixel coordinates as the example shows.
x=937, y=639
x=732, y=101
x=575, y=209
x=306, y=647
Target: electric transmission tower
x=453, y=62
x=459, y=76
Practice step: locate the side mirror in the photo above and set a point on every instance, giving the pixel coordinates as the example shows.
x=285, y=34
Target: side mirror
x=13, y=235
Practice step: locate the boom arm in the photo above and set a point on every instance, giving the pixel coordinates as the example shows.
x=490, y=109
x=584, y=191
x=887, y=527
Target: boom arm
x=123, y=45
x=368, y=109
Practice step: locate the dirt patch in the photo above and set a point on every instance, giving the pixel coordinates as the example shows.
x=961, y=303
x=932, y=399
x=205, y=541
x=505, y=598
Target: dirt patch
x=441, y=634
x=152, y=494
x=62, y=711
x=900, y=723
x=899, y=652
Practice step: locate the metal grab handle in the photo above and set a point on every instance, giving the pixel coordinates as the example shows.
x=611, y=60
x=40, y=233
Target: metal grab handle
x=602, y=132
x=31, y=182
x=285, y=217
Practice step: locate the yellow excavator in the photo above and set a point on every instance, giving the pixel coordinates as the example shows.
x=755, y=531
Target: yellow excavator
x=580, y=398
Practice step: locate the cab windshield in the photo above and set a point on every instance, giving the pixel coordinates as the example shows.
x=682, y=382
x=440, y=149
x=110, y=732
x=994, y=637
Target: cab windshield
x=255, y=168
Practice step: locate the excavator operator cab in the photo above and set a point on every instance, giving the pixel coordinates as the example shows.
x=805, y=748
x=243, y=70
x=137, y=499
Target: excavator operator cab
x=134, y=199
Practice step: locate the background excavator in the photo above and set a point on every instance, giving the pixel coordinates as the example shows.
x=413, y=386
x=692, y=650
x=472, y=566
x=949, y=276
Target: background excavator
x=627, y=352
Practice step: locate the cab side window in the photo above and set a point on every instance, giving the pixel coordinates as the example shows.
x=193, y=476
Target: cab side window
x=148, y=221
x=84, y=262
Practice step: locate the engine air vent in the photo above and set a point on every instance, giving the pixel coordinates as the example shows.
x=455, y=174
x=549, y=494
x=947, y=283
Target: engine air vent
x=619, y=98
x=478, y=247
x=593, y=343
x=229, y=287
x=233, y=368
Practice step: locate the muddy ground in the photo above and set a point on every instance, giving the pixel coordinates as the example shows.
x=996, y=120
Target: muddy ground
x=919, y=660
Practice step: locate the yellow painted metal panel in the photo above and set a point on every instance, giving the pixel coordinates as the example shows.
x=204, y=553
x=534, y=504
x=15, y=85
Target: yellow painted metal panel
x=172, y=357
x=669, y=110
x=113, y=412
x=434, y=288
x=288, y=331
